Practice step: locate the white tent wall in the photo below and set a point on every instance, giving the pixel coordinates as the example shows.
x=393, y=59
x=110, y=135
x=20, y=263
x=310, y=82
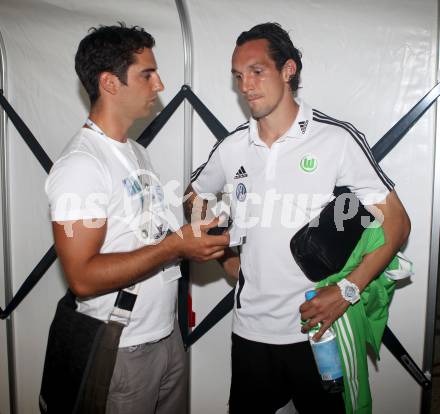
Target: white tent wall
x=41, y=38
x=364, y=62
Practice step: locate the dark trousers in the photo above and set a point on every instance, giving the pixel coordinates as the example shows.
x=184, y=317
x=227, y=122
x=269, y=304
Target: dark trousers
x=265, y=377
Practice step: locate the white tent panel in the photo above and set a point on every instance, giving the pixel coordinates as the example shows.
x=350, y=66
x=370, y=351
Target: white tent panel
x=41, y=39
x=365, y=62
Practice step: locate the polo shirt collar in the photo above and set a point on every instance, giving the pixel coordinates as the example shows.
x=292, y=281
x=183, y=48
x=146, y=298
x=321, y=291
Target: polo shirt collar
x=299, y=129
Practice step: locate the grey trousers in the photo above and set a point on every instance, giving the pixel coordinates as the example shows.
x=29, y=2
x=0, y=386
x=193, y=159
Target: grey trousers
x=150, y=378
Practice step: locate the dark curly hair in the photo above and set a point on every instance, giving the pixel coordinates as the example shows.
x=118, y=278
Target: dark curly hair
x=280, y=47
x=109, y=49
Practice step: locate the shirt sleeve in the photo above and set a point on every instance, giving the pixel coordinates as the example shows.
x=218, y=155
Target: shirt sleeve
x=359, y=171
x=210, y=177
x=78, y=187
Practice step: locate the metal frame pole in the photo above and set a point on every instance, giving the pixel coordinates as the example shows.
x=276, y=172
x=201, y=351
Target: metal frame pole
x=6, y=220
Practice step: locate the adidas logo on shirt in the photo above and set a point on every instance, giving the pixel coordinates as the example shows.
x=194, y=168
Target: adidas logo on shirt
x=303, y=126
x=241, y=173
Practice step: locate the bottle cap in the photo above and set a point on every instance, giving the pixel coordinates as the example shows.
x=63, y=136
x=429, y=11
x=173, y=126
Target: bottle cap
x=310, y=294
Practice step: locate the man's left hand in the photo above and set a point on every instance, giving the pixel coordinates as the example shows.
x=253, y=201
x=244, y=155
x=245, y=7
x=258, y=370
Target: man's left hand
x=327, y=306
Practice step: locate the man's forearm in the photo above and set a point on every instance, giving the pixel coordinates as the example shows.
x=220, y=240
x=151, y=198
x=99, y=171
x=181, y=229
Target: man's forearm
x=105, y=272
x=396, y=227
x=90, y=272
x=329, y=304
x=372, y=265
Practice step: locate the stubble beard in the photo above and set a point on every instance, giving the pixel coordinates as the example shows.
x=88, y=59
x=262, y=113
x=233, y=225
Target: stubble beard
x=260, y=113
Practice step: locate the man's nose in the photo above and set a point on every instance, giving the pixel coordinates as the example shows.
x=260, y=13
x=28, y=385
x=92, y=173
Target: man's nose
x=247, y=84
x=159, y=87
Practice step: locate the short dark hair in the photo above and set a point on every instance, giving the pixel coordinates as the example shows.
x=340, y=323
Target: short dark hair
x=280, y=47
x=109, y=49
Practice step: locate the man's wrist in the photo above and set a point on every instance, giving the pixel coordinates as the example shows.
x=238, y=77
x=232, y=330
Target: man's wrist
x=174, y=245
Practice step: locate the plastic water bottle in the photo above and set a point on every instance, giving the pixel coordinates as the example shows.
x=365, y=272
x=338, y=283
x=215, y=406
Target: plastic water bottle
x=326, y=356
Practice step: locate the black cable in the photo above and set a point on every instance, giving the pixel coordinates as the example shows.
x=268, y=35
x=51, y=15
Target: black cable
x=398, y=131
x=393, y=344
x=182, y=300
x=33, y=278
x=214, y=125
x=222, y=308
x=26, y=134
x=157, y=124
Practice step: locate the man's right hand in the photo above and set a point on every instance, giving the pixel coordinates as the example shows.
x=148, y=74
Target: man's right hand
x=193, y=242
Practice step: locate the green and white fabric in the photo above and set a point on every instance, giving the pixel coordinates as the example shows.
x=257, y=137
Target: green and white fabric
x=364, y=322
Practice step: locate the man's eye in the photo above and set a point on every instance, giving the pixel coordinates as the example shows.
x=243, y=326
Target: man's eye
x=258, y=71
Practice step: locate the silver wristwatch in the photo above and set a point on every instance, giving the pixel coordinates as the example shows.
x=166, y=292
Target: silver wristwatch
x=349, y=291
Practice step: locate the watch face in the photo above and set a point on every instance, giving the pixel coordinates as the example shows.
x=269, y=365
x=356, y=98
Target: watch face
x=350, y=292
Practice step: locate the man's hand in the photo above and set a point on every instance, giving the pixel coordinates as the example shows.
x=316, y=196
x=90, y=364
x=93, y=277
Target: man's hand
x=230, y=263
x=327, y=306
x=196, y=209
x=193, y=241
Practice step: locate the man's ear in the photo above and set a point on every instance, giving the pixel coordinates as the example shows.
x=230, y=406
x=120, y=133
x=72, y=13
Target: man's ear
x=109, y=83
x=289, y=70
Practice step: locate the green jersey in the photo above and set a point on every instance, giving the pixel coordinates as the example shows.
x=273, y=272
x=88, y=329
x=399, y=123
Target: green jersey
x=362, y=323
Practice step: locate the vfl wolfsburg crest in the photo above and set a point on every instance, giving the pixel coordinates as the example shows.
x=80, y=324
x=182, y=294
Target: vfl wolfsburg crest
x=308, y=163
x=241, y=192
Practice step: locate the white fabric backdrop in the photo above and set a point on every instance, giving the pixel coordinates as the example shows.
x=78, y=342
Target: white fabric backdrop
x=367, y=63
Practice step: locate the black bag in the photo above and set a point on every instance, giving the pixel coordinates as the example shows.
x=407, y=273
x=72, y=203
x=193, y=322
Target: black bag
x=80, y=357
x=323, y=246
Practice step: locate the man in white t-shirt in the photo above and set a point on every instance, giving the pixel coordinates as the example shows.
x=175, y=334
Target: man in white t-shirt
x=111, y=223
x=279, y=171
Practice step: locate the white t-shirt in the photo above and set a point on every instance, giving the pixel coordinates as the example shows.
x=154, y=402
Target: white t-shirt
x=276, y=191
x=98, y=177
